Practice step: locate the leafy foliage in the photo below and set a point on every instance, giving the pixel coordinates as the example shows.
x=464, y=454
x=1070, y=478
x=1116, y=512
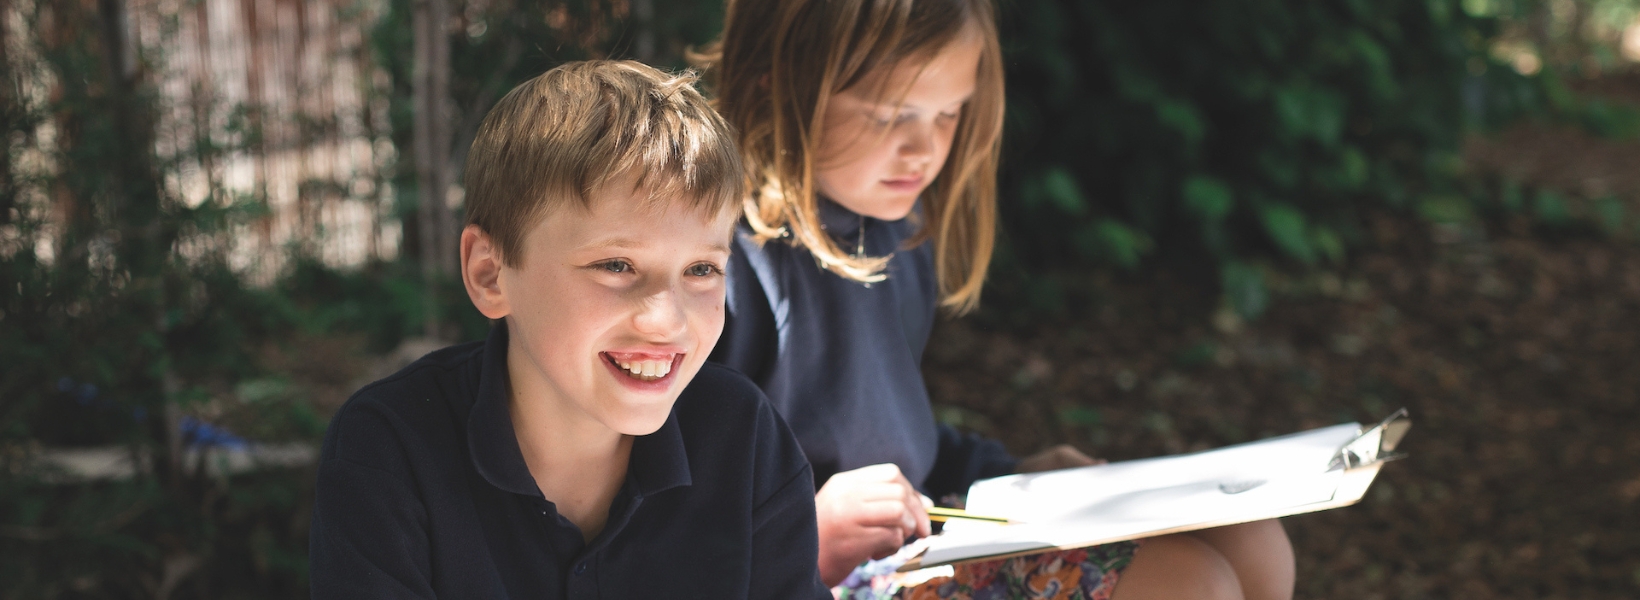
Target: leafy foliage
x=121, y=315
x=1221, y=133
x=1226, y=130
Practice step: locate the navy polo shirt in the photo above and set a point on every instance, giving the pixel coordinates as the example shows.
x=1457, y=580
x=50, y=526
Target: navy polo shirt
x=842, y=360
x=423, y=493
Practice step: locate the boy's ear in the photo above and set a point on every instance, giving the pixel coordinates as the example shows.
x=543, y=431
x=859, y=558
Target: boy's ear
x=481, y=272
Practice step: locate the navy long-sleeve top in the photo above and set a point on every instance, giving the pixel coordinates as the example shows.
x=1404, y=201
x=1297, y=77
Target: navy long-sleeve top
x=423, y=493
x=841, y=360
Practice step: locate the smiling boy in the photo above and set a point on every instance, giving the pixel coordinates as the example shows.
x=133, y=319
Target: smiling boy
x=584, y=449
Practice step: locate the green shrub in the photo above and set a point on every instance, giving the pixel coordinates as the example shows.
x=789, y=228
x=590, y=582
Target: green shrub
x=120, y=315
x=1226, y=130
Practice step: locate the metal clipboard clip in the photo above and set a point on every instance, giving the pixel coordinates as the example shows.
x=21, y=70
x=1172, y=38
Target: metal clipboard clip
x=1375, y=445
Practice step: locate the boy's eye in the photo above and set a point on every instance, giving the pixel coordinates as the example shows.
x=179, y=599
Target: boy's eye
x=616, y=266
x=702, y=270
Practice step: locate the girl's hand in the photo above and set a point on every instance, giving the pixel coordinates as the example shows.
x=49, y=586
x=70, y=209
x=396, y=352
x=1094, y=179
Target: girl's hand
x=866, y=513
x=1063, y=456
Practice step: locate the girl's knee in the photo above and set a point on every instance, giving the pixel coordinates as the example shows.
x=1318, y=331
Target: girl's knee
x=1261, y=555
x=1268, y=533
x=1178, y=566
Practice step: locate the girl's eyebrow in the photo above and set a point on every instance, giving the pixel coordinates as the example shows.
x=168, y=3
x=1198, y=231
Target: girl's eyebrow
x=905, y=105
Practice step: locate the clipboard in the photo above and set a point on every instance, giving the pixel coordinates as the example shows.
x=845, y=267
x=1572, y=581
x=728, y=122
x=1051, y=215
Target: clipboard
x=1316, y=470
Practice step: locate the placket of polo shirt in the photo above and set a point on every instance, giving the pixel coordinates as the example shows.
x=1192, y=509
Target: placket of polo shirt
x=556, y=532
x=583, y=582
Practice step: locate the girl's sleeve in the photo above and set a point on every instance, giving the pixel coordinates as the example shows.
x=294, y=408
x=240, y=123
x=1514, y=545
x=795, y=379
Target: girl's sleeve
x=963, y=459
x=369, y=531
x=750, y=340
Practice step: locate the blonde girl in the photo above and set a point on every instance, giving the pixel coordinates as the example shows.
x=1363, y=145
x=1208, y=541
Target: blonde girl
x=871, y=131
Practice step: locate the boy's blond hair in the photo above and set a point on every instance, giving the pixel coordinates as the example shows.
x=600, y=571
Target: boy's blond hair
x=777, y=67
x=568, y=131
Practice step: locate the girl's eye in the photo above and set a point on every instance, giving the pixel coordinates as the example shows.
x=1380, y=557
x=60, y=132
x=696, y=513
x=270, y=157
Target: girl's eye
x=887, y=120
x=703, y=270
x=616, y=266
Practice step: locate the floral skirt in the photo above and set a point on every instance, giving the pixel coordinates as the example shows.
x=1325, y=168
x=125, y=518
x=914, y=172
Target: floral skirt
x=1081, y=574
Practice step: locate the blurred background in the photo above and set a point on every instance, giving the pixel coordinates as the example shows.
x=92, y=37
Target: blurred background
x=1223, y=220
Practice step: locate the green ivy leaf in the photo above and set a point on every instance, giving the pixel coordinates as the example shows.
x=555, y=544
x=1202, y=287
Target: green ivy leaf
x=1122, y=243
x=1512, y=198
x=1482, y=8
x=1290, y=110
x=1081, y=416
x=1063, y=192
x=1353, y=166
x=1611, y=121
x=1440, y=11
x=1327, y=242
x=1197, y=355
x=1245, y=290
x=1443, y=208
x=1286, y=228
x=1208, y=198
x=1380, y=73
x=1551, y=208
x=1308, y=112
x=1612, y=214
x=1182, y=117
x=1135, y=85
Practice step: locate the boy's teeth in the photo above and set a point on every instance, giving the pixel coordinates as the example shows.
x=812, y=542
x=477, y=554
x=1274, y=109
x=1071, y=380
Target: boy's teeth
x=647, y=368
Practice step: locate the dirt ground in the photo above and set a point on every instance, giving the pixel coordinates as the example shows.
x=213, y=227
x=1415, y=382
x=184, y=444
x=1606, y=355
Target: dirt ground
x=1513, y=344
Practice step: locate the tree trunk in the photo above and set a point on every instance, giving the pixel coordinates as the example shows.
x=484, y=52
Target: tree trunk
x=494, y=86
x=430, y=86
x=445, y=253
x=11, y=117
x=643, y=20
x=137, y=203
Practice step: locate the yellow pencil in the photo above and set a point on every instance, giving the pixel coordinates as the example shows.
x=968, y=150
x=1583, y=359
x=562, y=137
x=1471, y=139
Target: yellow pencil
x=946, y=514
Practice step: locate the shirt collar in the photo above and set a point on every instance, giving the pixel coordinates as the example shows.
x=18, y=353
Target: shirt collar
x=841, y=223
x=659, y=462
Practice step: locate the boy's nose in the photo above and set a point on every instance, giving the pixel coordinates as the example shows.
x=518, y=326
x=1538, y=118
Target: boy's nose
x=660, y=314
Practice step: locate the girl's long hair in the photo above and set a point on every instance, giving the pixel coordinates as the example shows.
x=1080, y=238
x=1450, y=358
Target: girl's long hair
x=777, y=67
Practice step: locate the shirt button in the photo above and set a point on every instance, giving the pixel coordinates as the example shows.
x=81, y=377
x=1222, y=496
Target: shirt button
x=580, y=568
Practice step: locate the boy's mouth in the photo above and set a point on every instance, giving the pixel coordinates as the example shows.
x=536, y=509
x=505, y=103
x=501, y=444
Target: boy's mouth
x=643, y=367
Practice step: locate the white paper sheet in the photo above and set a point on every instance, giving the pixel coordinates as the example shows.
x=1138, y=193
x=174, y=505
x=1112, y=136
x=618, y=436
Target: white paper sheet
x=1128, y=500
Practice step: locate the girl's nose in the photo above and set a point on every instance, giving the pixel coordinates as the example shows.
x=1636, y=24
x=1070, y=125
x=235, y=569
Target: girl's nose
x=918, y=141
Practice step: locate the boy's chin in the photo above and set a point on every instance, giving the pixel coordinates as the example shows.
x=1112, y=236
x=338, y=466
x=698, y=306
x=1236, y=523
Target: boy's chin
x=638, y=420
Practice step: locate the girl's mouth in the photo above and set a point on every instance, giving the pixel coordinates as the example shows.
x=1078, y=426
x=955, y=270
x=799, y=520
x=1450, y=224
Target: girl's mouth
x=910, y=183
